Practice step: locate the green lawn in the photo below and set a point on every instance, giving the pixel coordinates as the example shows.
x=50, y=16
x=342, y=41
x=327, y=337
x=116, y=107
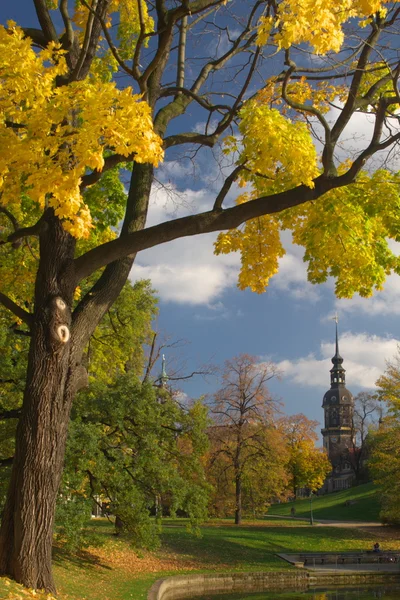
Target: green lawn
x=115, y=572
x=364, y=505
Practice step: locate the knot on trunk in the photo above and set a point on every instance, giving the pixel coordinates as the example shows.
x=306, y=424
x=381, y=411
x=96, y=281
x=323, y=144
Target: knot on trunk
x=59, y=320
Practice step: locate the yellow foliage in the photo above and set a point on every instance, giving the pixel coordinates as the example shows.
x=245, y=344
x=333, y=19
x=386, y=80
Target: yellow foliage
x=59, y=132
x=316, y=22
x=275, y=148
x=260, y=247
x=345, y=234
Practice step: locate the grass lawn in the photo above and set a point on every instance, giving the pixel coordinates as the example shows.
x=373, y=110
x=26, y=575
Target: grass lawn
x=363, y=498
x=115, y=572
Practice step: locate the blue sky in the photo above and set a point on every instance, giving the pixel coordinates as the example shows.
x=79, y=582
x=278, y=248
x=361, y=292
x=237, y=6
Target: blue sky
x=291, y=324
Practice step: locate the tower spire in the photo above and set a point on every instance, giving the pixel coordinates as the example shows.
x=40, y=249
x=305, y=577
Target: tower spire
x=164, y=377
x=336, y=319
x=337, y=371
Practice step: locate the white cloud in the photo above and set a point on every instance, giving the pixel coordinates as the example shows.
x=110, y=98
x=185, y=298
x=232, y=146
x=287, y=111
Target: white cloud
x=185, y=270
x=292, y=278
x=364, y=360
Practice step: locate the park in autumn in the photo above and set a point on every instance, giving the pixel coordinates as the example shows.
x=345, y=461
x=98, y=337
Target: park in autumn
x=110, y=476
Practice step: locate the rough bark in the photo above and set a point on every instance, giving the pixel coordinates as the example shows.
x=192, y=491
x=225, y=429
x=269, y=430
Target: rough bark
x=27, y=524
x=54, y=376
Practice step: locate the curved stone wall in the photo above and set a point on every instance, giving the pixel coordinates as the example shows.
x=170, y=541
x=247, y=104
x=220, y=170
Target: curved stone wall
x=190, y=586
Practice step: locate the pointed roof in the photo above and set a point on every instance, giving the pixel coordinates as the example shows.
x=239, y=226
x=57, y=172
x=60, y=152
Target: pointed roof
x=163, y=377
x=337, y=360
x=338, y=394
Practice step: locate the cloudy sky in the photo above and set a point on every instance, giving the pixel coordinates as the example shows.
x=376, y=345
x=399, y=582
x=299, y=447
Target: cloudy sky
x=291, y=324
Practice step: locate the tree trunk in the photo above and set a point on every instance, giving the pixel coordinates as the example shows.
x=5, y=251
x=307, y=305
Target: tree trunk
x=54, y=376
x=27, y=524
x=238, y=490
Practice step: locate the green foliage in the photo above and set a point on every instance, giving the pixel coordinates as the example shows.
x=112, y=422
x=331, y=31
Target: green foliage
x=71, y=520
x=122, y=334
x=107, y=199
x=385, y=459
x=137, y=453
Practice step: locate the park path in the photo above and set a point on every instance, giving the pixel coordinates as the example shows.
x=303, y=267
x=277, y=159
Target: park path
x=353, y=524
x=333, y=523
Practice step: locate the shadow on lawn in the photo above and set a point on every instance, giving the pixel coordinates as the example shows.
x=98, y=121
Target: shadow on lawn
x=257, y=545
x=82, y=558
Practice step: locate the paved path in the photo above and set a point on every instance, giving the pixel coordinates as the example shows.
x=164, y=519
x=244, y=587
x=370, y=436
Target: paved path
x=332, y=523
x=354, y=524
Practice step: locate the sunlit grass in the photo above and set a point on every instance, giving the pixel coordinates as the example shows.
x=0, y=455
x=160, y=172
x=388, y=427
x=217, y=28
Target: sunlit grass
x=360, y=503
x=115, y=572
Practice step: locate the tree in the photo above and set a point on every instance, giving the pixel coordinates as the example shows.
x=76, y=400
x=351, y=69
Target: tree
x=385, y=452
x=66, y=127
x=242, y=411
x=367, y=412
x=307, y=466
x=132, y=445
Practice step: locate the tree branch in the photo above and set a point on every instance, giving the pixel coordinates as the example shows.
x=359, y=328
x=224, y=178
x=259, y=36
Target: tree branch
x=109, y=163
x=24, y=232
x=207, y=222
x=36, y=35
x=14, y=413
x=226, y=187
x=17, y=310
x=67, y=23
x=45, y=21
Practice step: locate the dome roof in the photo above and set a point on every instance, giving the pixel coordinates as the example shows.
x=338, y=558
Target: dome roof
x=338, y=395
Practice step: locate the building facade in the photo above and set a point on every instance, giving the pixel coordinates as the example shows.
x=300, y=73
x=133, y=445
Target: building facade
x=338, y=405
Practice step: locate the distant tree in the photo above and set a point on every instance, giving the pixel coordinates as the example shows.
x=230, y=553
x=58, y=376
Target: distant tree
x=366, y=417
x=385, y=453
x=263, y=476
x=307, y=465
x=133, y=446
x=243, y=411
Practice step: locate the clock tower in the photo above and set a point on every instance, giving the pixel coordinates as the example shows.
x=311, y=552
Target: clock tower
x=338, y=405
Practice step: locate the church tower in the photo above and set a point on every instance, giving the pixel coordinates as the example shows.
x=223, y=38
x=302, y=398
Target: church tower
x=338, y=405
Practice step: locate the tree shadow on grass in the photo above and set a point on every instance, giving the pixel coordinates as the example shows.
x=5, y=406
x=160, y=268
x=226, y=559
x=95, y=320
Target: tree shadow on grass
x=82, y=558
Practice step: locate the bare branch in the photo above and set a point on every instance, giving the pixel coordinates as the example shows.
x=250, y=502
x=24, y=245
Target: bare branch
x=45, y=21
x=227, y=186
x=109, y=163
x=14, y=413
x=67, y=23
x=209, y=221
x=17, y=310
x=23, y=232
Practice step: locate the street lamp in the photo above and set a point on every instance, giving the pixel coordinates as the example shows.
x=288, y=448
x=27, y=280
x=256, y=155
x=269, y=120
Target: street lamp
x=311, y=515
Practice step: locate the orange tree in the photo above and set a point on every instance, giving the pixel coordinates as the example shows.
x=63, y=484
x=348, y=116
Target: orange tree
x=246, y=457
x=66, y=125
x=307, y=466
